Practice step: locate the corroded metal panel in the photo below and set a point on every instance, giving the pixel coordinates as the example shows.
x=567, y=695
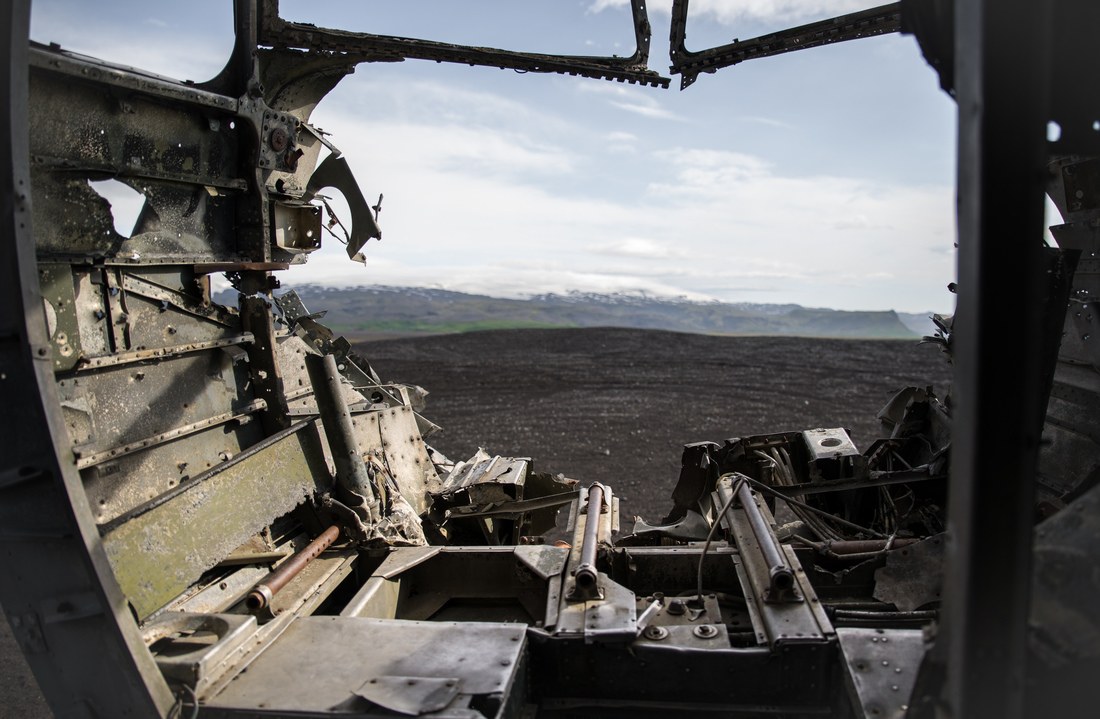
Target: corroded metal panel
x=393, y=435
x=179, y=396
x=161, y=551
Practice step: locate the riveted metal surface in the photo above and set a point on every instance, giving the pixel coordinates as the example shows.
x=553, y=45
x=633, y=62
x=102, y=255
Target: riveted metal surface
x=182, y=391
x=331, y=658
x=880, y=668
x=393, y=435
x=158, y=553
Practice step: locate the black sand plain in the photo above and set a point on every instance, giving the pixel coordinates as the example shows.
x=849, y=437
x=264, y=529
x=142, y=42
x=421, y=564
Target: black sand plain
x=617, y=405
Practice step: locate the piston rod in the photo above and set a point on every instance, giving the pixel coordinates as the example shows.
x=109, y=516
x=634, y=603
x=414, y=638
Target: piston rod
x=261, y=595
x=351, y=470
x=780, y=576
x=586, y=570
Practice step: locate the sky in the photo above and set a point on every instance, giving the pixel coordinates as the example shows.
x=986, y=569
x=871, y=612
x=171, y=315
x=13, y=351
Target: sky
x=823, y=177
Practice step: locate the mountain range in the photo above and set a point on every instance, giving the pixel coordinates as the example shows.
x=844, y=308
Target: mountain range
x=379, y=310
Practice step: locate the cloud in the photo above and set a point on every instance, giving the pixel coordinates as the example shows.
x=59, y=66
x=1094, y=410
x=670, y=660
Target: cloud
x=705, y=172
x=418, y=101
x=728, y=13
x=766, y=121
x=446, y=147
x=621, y=143
x=646, y=108
x=632, y=99
x=857, y=222
x=601, y=5
x=640, y=248
x=170, y=44
x=507, y=207
x=835, y=236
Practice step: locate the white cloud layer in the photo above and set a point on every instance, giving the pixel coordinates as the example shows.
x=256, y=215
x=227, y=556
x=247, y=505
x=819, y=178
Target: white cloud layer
x=166, y=41
x=636, y=100
x=477, y=208
x=729, y=12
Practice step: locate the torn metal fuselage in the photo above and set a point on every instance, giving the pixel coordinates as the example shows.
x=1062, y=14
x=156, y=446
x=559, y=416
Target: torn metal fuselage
x=179, y=457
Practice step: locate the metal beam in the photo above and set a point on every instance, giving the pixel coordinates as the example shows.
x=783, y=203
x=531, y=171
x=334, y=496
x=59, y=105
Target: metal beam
x=65, y=608
x=1001, y=88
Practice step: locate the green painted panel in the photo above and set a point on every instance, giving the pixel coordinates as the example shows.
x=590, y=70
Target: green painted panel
x=159, y=553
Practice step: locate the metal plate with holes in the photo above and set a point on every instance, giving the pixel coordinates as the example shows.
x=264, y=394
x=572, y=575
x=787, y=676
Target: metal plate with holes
x=411, y=695
x=794, y=622
x=219, y=596
x=59, y=303
x=394, y=432
x=612, y=619
x=880, y=669
x=701, y=636
x=832, y=454
x=334, y=658
x=291, y=351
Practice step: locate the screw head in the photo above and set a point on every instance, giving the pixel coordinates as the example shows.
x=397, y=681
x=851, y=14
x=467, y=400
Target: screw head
x=278, y=139
x=705, y=631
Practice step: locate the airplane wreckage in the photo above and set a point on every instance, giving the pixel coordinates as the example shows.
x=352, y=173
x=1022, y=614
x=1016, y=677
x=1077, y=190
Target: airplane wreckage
x=225, y=512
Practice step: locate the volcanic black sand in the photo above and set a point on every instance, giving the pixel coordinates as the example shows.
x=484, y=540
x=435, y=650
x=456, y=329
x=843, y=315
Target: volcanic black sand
x=616, y=406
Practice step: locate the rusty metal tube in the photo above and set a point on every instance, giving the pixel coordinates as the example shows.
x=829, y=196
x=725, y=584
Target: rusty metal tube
x=586, y=570
x=863, y=546
x=780, y=575
x=351, y=470
x=261, y=595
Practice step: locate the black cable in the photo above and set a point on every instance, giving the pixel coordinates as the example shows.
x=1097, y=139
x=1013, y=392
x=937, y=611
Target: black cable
x=710, y=536
x=791, y=500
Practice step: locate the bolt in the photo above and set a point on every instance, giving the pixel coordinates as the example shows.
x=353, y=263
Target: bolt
x=278, y=139
x=705, y=631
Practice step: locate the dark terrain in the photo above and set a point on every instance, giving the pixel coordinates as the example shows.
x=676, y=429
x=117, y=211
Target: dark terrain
x=373, y=312
x=617, y=405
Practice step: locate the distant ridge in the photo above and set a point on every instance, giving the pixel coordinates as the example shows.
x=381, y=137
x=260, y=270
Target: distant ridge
x=408, y=310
